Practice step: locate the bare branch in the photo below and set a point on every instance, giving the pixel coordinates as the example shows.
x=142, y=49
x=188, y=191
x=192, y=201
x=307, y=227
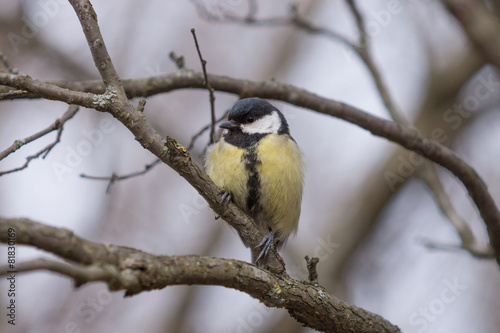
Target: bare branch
x=79, y=273
x=481, y=251
x=134, y=271
x=469, y=242
x=49, y=91
x=148, y=167
x=88, y=19
x=364, y=53
x=295, y=19
x=481, y=26
x=115, y=178
x=209, y=88
x=57, y=125
x=429, y=172
x=201, y=131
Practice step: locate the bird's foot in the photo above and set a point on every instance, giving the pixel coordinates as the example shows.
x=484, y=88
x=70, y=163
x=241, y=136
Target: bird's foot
x=267, y=244
x=226, y=197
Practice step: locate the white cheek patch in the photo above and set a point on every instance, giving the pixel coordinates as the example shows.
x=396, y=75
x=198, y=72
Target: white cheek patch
x=265, y=125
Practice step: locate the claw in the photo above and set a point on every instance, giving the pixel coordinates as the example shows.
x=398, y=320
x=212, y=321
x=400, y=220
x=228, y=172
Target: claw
x=226, y=197
x=267, y=243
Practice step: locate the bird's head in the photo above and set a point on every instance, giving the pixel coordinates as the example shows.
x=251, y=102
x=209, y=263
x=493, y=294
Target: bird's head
x=255, y=116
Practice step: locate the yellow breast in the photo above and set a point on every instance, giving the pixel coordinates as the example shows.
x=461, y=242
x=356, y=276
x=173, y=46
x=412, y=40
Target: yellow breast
x=280, y=172
x=225, y=166
x=281, y=176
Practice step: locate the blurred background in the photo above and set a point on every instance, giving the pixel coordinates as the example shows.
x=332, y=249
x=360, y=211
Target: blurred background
x=365, y=213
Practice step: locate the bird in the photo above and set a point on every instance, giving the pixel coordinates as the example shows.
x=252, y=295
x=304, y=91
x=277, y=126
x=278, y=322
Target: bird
x=258, y=165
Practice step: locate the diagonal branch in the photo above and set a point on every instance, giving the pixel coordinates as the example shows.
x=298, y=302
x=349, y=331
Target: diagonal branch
x=134, y=271
x=88, y=19
x=468, y=240
x=57, y=125
x=115, y=101
x=363, y=51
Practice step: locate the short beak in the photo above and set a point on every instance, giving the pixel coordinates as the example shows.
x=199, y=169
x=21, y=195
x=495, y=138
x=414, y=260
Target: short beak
x=229, y=125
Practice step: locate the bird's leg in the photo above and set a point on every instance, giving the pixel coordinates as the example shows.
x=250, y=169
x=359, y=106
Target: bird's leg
x=226, y=197
x=267, y=243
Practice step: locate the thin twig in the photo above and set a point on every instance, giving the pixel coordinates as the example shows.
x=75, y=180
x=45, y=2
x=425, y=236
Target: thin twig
x=294, y=19
x=115, y=178
x=57, y=125
x=362, y=49
x=300, y=22
x=201, y=131
x=468, y=241
x=148, y=167
x=480, y=251
x=209, y=87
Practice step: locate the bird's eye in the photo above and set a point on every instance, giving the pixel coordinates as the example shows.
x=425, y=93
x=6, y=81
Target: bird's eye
x=250, y=120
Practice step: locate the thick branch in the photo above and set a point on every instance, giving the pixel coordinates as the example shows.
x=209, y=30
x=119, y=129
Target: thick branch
x=135, y=271
x=102, y=60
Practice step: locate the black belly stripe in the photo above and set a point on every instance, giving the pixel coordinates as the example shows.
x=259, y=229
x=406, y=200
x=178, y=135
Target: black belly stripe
x=253, y=183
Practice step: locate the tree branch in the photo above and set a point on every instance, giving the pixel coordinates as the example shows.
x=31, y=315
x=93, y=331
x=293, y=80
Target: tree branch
x=115, y=101
x=88, y=20
x=209, y=88
x=148, y=167
x=116, y=178
x=481, y=26
x=429, y=172
x=468, y=241
x=135, y=271
x=363, y=51
x=57, y=125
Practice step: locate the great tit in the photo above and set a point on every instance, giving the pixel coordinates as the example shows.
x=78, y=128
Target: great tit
x=259, y=166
